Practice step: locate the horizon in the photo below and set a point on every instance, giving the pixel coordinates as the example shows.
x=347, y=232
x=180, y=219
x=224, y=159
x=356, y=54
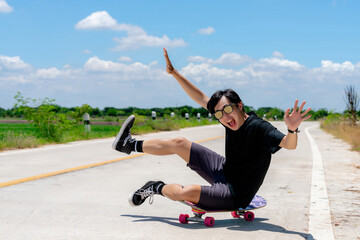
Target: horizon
x=109, y=53
x=181, y=106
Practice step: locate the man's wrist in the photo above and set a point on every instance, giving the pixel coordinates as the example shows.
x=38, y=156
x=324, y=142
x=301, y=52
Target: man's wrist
x=295, y=131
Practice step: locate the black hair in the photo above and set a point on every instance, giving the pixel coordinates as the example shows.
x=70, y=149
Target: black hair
x=229, y=93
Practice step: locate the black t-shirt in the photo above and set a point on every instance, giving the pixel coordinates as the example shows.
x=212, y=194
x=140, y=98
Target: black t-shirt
x=248, y=153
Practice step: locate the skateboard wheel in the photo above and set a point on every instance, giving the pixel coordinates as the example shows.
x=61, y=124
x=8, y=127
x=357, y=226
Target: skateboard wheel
x=249, y=216
x=209, y=221
x=235, y=214
x=183, y=218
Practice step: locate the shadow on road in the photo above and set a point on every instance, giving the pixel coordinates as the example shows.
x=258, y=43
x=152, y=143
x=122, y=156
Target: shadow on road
x=231, y=224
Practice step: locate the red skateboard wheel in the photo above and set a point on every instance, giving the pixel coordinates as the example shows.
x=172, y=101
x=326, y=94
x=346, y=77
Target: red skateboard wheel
x=183, y=218
x=249, y=216
x=235, y=215
x=209, y=221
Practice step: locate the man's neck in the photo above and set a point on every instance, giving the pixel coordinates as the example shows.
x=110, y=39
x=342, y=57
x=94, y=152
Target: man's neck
x=243, y=118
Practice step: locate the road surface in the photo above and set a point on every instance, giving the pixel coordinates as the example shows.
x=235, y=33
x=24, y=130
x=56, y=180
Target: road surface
x=80, y=191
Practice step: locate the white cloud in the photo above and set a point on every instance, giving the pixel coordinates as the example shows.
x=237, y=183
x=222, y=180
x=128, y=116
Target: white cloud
x=153, y=63
x=231, y=59
x=210, y=74
x=95, y=64
x=136, y=36
x=4, y=7
x=125, y=59
x=144, y=40
x=101, y=20
x=206, y=31
x=49, y=73
x=87, y=51
x=122, y=71
x=276, y=62
x=197, y=59
x=13, y=78
x=268, y=81
x=97, y=20
x=67, y=66
x=337, y=67
x=13, y=63
x=277, y=54
x=228, y=58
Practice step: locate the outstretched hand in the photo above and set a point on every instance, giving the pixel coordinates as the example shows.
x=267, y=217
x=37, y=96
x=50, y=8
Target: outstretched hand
x=169, y=67
x=294, y=119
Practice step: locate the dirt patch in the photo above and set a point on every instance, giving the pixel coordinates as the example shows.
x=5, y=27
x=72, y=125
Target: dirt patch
x=353, y=190
x=342, y=171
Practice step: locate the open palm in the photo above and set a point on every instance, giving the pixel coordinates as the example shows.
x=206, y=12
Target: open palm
x=169, y=67
x=296, y=117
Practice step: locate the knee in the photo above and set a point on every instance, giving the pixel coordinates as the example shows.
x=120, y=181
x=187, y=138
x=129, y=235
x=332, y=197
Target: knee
x=191, y=193
x=181, y=142
x=181, y=193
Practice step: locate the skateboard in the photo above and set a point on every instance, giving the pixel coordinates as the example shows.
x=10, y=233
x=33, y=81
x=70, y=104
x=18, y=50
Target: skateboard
x=257, y=202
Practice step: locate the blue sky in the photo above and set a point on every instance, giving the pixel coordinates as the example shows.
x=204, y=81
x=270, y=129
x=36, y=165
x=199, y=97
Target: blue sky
x=109, y=53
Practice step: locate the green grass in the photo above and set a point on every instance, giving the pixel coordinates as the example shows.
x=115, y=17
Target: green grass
x=13, y=136
x=17, y=136
x=20, y=135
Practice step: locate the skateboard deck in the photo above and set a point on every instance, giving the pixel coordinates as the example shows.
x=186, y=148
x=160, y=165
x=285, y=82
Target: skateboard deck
x=257, y=202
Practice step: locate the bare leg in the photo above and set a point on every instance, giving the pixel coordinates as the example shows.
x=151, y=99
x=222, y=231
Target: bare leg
x=177, y=192
x=180, y=146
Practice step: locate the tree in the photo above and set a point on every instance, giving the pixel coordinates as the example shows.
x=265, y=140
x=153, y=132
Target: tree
x=80, y=111
x=275, y=113
x=44, y=115
x=321, y=113
x=2, y=112
x=352, y=103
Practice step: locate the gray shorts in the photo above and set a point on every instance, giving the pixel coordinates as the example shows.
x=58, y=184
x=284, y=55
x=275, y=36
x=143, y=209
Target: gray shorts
x=209, y=165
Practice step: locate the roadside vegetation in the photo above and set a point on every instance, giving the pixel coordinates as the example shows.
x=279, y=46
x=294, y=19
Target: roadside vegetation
x=345, y=126
x=27, y=135
x=340, y=127
x=48, y=123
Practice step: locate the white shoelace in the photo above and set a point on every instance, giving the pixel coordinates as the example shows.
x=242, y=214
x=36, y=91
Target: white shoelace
x=127, y=139
x=149, y=192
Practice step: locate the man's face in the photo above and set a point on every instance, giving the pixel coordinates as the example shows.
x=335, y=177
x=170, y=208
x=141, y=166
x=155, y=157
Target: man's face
x=232, y=120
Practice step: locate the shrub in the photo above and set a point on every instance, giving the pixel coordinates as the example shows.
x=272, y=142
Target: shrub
x=44, y=116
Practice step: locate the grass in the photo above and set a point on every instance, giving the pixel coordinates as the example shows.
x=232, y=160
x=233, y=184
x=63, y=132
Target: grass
x=20, y=135
x=342, y=129
x=14, y=136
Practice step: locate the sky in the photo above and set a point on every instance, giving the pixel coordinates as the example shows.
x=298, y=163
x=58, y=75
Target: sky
x=109, y=53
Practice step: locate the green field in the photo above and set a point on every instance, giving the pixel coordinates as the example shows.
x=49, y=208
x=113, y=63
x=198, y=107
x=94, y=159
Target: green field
x=20, y=135
x=14, y=136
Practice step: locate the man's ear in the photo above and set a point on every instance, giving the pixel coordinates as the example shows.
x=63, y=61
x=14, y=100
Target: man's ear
x=240, y=106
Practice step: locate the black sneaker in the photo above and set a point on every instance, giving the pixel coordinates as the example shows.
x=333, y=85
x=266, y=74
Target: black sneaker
x=123, y=141
x=148, y=190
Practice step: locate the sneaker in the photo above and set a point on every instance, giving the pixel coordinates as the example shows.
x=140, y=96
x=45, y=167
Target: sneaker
x=123, y=141
x=148, y=190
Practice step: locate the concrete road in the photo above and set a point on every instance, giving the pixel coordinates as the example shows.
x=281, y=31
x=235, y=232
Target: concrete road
x=92, y=203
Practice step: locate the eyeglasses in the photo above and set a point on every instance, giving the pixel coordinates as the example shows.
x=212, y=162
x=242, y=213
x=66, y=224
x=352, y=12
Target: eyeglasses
x=228, y=108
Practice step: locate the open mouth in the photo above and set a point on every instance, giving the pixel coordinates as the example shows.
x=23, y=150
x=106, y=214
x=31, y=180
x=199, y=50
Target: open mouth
x=231, y=123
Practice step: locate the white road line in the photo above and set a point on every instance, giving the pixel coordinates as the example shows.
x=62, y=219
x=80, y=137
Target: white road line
x=320, y=226
x=57, y=146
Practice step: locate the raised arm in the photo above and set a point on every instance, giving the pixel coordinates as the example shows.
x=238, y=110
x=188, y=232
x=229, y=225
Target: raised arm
x=195, y=93
x=292, y=122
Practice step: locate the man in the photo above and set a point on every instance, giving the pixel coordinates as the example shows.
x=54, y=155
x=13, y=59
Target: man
x=234, y=179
